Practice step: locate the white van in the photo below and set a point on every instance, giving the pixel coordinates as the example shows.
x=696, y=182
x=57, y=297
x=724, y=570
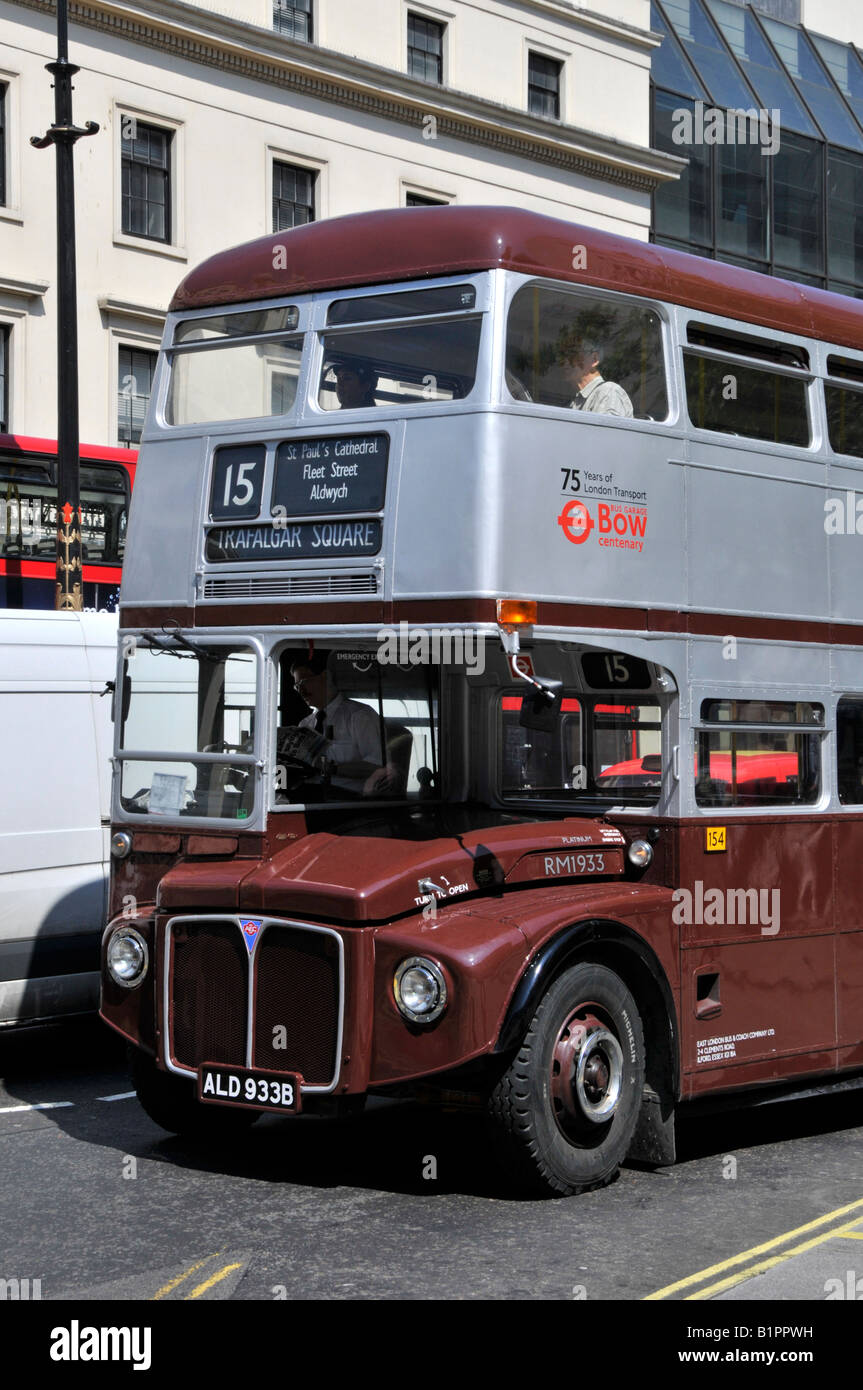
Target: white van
x=55, y=750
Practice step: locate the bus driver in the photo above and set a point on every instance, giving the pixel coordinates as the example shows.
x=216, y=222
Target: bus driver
x=580, y=363
x=351, y=729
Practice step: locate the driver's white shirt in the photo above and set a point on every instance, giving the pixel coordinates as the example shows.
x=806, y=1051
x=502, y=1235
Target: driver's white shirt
x=353, y=734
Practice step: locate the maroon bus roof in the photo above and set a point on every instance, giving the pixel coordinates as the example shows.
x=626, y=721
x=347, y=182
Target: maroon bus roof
x=372, y=248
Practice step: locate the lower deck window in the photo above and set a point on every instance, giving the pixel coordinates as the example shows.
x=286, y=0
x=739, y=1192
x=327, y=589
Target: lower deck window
x=594, y=750
x=849, y=747
x=188, y=731
x=754, y=761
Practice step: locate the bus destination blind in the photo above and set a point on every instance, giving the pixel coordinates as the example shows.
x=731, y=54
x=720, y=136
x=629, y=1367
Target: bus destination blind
x=294, y=540
x=315, y=477
x=329, y=477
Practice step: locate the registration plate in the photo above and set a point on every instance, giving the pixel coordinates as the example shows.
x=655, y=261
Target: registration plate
x=277, y=1092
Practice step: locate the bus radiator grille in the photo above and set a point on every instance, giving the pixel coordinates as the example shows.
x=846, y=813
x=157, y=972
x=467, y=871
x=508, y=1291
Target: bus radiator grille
x=209, y=985
x=297, y=990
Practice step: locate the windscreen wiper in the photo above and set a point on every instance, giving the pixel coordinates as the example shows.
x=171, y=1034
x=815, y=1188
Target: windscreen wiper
x=178, y=641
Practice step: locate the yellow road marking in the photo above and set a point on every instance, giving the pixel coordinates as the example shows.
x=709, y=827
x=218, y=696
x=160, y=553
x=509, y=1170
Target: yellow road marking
x=756, y=1250
x=172, y=1283
x=213, y=1279
x=853, y=1235
x=752, y=1270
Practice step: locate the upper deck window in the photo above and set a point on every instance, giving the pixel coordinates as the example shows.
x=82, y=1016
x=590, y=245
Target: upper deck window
x=726, y=392
x=401, y=304
x=234, y=381
x=845, y=406
x=576, y=350
x=410, y=364
x=244, y=325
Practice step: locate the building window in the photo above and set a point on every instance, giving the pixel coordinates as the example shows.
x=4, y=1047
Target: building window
x=543, y=86
x=293, y=18
x=146, y=187
x=419, y=200
x=4, y=379
x=781, y=197
x=425, y=48
x=3, y=91
x=134, y=387
x=293, y=196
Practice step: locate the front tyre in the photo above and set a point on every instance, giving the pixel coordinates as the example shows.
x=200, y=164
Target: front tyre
x=565, y=1110
x=172, y=1103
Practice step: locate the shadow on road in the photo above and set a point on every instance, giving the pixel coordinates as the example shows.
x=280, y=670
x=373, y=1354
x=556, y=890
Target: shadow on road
x=394, y=1146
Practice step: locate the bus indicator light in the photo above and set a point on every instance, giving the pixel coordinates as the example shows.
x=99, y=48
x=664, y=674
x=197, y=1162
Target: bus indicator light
x=513, y=612
x=714, y=839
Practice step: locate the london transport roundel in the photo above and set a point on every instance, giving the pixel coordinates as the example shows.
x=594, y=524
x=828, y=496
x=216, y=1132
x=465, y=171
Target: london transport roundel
x=576, y=522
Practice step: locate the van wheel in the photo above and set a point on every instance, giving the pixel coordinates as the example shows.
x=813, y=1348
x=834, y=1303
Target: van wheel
x=172, y=1103
x=565, y=1110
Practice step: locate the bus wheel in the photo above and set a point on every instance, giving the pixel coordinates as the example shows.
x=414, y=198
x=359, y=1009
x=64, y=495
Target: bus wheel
x=171, y=1102
x=566, y=1108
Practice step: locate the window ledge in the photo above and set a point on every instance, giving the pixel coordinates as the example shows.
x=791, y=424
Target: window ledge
x=155, y=248
x=11, y=215
x=146, y=313
x=26, y=289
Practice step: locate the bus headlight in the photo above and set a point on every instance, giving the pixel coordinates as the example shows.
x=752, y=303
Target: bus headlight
x=640, y=854
x=420, y=989
x=127, y=957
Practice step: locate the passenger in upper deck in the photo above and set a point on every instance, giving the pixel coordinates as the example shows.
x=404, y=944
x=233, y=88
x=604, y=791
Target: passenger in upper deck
x=579, y=358
x=356, y=382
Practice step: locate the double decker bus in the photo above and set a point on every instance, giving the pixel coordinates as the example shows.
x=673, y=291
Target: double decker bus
x=28, y=521
x=489, y=712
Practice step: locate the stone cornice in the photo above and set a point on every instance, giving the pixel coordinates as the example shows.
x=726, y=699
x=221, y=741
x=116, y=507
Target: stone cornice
x=188, y=33
x=124, y=308
x=589, y=19
x=24, y=289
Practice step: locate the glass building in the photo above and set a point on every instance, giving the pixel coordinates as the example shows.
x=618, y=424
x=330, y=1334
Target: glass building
x=770, y=117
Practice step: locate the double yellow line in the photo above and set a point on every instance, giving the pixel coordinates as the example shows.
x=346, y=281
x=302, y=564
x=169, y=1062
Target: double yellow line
x=753, y=1265
x=204, y=1286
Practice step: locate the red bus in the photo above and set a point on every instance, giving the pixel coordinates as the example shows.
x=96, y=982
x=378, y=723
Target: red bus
x=28, y=520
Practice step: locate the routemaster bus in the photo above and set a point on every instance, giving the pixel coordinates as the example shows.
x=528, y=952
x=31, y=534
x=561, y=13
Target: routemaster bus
x=489, y=710
x=28, y=521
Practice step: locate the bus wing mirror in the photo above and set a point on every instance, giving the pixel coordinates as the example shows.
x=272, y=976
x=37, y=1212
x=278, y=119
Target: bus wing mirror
x=540, y=709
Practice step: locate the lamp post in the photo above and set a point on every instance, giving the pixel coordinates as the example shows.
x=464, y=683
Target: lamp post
x=64, y=135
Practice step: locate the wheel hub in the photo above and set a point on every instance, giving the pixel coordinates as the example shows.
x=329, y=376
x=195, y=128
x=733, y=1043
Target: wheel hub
x=586, y=1072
